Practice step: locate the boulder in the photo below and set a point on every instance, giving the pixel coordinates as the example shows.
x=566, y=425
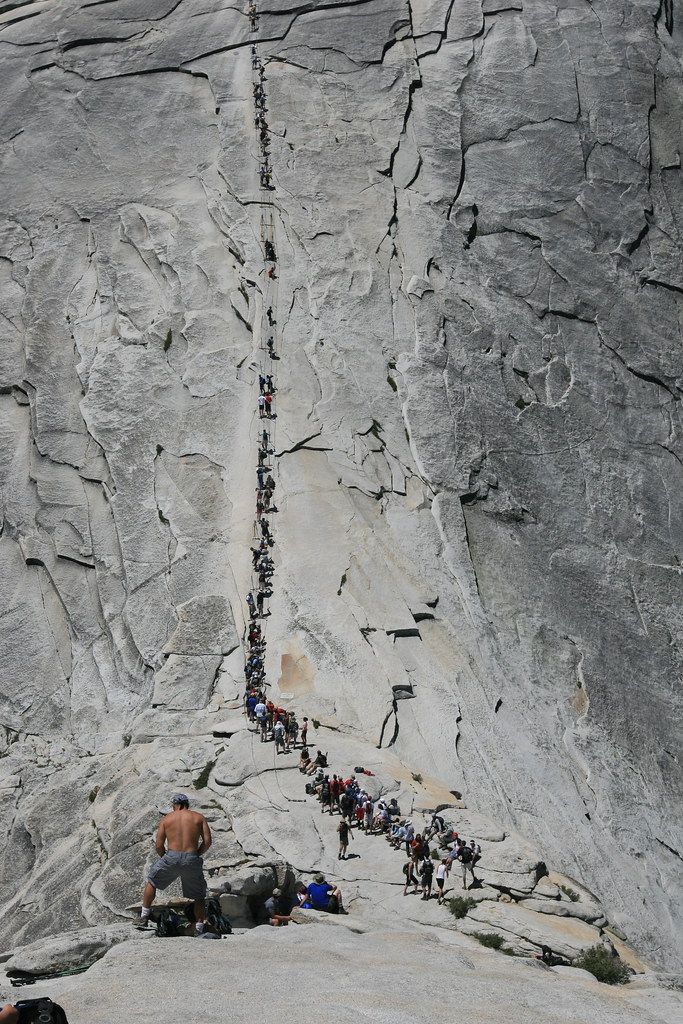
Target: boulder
x=253, y=880
x=583, y=911
x=237, y=909
x=72, y=949
x=526, y=931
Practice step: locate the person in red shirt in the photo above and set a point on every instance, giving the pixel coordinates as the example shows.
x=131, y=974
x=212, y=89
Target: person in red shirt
x=335, y=789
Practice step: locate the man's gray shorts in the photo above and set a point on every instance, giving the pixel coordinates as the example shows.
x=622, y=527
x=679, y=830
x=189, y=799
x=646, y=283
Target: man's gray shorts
x=188, y=867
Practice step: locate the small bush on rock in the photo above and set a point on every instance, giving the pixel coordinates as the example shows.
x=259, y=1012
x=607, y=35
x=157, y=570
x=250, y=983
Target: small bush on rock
x=610, y=970
x=490, y=939
x=459, y=905
x=573, y=896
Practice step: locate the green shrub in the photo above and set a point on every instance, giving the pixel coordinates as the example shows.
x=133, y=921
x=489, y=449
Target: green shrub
x=169, y=341
x=573, y=896
x=490, y=939
x=603, y=966
x=459, y=905
x=203, y=778
x=417, y=778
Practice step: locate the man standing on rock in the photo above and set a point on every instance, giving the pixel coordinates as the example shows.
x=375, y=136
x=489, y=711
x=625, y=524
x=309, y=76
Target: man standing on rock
x=188, y=837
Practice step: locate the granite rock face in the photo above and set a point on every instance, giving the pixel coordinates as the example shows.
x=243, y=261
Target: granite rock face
x=476, y=212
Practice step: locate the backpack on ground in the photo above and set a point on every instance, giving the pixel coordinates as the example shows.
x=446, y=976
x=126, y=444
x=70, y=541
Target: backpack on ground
x=216, y=919
x=40, y=1011
x=169, y=924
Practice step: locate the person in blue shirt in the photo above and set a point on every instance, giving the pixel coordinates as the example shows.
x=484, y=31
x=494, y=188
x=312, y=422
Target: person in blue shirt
x=324, y=896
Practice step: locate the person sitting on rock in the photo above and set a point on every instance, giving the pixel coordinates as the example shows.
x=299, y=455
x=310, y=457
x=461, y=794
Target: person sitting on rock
x=301, y=897
x=393, y=808
x=304, y=760
x=457, y=843
x=325, y=896
x=382, y=819
x=552, y=959
x=319, y=762
x=397, y=836
x=275, y=908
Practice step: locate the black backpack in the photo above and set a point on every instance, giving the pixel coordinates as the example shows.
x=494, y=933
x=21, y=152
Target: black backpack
x=465, y=855
x=217, y=921
x=168, y=924
x=40, y=1011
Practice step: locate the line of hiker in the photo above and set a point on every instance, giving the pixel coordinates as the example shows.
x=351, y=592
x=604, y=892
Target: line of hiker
x=263, y=566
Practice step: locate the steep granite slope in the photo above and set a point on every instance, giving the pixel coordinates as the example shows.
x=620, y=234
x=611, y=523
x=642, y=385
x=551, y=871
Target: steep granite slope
x=475, y=208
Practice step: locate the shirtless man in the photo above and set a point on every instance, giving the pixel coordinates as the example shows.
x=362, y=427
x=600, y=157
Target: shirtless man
x=188, y=837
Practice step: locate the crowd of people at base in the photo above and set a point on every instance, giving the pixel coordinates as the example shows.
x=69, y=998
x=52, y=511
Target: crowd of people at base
x=358, y=811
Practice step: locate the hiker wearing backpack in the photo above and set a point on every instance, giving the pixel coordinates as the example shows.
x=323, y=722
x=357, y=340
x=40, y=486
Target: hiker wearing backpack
x=410, y=877
x=426, y=874
x=466, y=858
x=188, y=837
x=335, y=789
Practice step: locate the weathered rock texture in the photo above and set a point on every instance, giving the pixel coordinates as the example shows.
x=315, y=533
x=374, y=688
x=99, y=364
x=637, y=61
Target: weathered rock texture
x=476, y=211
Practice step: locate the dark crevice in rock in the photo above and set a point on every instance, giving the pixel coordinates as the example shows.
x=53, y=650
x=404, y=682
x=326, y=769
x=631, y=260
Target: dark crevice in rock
x=637, y=241
x=669, y=848
x=666, y=9
x=404, y=631
x=303, y=445
x=649, y=378
x=662, y=284
x=469, y=547
x=393, y=711
x=95, y=41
